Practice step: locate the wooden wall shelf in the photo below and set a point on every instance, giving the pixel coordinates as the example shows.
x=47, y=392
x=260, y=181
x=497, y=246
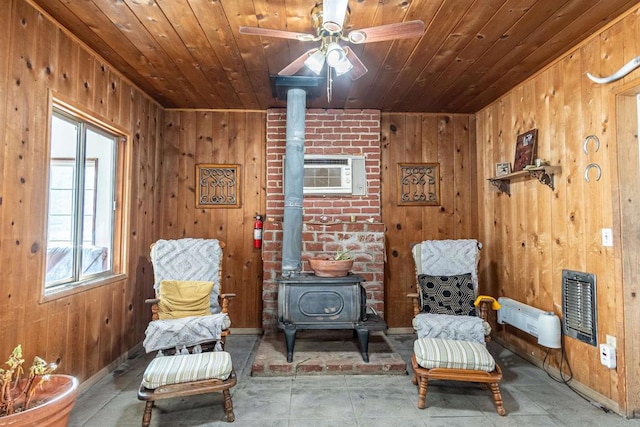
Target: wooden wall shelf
x=544, y=174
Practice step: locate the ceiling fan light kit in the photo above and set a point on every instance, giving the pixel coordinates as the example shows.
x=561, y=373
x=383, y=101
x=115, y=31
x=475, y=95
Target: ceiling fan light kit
x=343, y=66
x=357, y=37
x=330, y=18
x=315, y=61
x=335, y=54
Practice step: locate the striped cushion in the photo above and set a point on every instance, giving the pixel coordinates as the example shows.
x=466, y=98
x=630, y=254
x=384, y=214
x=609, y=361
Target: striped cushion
x=442, y=353
x=187, y=368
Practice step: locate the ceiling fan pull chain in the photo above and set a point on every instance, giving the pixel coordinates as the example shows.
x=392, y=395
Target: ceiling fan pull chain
x=329, y=84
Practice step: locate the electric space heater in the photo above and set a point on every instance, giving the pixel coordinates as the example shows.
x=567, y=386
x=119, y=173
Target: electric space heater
x=543, y=325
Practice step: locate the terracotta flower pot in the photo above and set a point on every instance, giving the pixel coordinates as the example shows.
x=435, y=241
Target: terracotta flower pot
x=52, y=404
x=326, y=267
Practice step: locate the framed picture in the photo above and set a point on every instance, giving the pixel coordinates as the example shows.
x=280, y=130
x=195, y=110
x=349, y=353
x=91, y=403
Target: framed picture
x=217, y=186
x=526, y=145
x=503, y=168
x=418, y=184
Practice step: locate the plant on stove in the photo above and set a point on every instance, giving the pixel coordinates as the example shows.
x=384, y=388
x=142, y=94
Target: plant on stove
x=17, y=393
x=342, y=255
x=335, y=266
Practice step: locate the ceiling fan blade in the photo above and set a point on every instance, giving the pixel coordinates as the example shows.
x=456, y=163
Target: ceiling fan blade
x=268, y=32
x=297, y=64
x=402, y=30
x=359, y=68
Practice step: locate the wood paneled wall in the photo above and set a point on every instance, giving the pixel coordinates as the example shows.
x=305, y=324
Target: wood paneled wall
x=91, y=329
x=528, y=238
x=447, y=139
x=533, y=235
x=221, y=137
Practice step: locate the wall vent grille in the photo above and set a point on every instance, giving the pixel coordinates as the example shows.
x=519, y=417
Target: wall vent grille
x=579, y=306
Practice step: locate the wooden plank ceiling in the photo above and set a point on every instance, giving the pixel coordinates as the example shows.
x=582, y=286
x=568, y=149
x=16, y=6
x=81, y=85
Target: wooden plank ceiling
x=189, y=53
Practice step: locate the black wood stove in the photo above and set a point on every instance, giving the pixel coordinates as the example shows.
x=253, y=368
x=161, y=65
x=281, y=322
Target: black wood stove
x=306, y=301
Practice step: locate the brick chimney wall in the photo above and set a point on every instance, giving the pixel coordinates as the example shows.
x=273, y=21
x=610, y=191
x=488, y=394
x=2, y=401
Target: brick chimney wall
x=330, y=223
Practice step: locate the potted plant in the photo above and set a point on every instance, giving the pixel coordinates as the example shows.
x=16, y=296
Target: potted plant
x=335, y=266
x=40, y=398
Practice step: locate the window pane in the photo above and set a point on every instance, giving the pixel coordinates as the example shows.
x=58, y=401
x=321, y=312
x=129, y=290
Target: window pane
x=59, y=264
x=60, y=202
x=87, y=236
x=62, y=176
x=81, y=201
x=89, y=202
x=60, y=230
x=98, y=203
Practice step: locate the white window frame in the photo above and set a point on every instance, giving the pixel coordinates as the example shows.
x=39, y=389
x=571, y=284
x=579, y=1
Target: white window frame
x=118, y=203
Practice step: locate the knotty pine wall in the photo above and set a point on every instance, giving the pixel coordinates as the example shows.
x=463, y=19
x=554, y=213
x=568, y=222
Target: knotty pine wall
x=533, y=235
x=91, y=329
x=219, y=137
x=447, y=139
x=529, y=238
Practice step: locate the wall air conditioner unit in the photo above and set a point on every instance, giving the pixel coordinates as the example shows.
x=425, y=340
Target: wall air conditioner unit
x=334, y=175
x=541, y=324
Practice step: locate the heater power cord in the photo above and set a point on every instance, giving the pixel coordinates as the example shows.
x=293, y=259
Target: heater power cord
x=566, y=380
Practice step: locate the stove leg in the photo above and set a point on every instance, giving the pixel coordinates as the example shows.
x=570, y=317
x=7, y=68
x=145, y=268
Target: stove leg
x=290, y=340
x=363, y=337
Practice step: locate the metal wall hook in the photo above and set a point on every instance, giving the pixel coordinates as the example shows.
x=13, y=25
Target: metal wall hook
x=586, y=143
x=592, y=166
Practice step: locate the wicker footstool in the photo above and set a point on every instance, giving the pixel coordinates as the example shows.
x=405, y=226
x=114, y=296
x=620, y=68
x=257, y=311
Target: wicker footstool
x=187, y=375
x=454, y=360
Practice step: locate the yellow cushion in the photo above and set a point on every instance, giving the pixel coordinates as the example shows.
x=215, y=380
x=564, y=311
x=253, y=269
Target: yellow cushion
x=179, y=298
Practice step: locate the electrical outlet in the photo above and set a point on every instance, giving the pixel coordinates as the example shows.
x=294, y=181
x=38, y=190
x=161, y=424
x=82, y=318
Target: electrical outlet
x=607, y=237
x=611, y=340
x=608, y=356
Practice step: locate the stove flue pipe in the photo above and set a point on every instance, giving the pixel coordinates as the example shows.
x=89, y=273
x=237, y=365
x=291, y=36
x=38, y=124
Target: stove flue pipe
x=294, y=182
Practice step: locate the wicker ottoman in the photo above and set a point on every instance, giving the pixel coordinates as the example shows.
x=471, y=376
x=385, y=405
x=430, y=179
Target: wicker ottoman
x=454, y=360
x=187, y=375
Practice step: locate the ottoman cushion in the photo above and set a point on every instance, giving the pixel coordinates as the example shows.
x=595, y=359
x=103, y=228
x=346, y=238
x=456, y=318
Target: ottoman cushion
x=187, y=368
x=454, y=354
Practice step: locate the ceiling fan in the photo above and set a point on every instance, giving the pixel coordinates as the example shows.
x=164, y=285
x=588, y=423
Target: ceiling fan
x=330, y=18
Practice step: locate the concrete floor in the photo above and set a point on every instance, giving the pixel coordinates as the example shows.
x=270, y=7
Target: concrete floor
x=530, y=397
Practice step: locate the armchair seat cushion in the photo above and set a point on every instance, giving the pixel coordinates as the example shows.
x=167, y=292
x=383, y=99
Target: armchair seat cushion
x=468, y=328
x=433, y=353
x=186, y=368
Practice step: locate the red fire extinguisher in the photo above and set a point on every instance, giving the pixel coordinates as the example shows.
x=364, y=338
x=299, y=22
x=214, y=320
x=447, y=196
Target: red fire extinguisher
x=257, y=232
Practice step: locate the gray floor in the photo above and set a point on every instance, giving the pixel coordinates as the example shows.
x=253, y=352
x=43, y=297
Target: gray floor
x=531, y=398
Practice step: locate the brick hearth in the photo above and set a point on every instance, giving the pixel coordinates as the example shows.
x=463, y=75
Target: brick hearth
x=326, y=353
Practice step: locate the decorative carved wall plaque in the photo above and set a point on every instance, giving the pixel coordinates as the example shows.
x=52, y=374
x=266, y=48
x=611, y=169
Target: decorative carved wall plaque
x=218, y=186
x=419, y=184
